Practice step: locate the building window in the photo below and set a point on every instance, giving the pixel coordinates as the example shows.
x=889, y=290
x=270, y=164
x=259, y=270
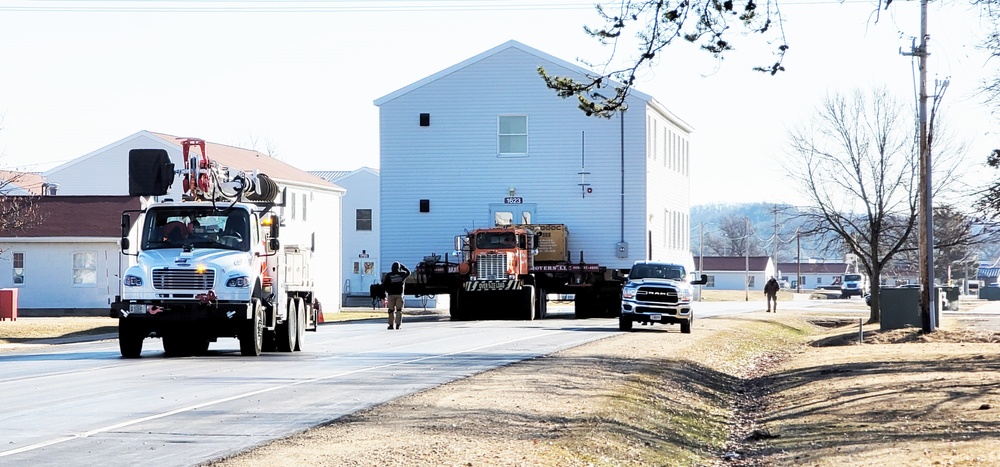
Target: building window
x=291, y=205
x=305, y=204
x=503, y=218
x=750, y=282
x=85, y=268
x=512, y=135
x=364, y=220
x=710, y=282
x=18, y=268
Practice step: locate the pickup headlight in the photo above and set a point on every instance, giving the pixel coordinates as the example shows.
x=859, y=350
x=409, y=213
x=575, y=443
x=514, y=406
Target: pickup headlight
x=241, y=281
x=685, y=294
x=629, y=292
x=132, y=281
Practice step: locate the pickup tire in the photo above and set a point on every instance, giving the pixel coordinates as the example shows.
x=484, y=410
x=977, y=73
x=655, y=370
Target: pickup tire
x=686, y=327
x=624, y=324
x=130, y=339
x=252, y=335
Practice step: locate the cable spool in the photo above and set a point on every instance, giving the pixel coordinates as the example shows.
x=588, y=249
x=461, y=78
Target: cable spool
x=266, y=191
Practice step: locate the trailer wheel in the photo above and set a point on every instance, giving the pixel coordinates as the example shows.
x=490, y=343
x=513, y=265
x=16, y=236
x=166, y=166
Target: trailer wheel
x=173, y=345
x=459, y=305
x=300, y=323
x=285, y=332
x=252, y=335
x=541, y=303
x=130, y=339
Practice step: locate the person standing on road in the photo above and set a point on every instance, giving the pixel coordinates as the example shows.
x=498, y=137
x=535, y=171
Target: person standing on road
x=771, y=293
x=393, y=283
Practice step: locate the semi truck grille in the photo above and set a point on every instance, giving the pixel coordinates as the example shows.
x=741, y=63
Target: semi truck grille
x=491, y=266
x=187, y=279
x=656, y=295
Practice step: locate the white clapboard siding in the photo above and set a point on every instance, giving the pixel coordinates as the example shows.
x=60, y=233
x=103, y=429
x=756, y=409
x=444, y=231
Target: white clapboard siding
x=453, y=162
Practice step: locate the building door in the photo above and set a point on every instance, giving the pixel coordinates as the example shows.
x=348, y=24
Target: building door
x=364, y=274
x=509, y=214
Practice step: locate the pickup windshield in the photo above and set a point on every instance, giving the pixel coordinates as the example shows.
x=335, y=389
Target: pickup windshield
x=852, y=277
x=197, y=228
x=656, y=271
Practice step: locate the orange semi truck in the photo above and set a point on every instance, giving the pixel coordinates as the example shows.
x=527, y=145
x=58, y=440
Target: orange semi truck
x=506, y=272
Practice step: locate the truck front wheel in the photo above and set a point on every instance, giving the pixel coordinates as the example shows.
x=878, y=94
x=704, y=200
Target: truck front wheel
x=130, y=339
x=252, y=336
x=686, y=326
x=624, y=324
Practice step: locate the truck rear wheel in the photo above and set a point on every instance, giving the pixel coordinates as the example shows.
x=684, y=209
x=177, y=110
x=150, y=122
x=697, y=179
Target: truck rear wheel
x=285, y=332
x=130, y=339
x=252, y=335
x=300, y=323
x=541, y=303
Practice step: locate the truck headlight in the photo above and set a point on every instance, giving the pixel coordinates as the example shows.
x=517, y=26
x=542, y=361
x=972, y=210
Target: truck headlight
x=132, y=281
x=685, y=294
x=241, y=281
x=629, y=292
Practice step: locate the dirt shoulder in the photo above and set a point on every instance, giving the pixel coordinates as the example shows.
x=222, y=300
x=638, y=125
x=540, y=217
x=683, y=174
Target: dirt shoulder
x=762, y=389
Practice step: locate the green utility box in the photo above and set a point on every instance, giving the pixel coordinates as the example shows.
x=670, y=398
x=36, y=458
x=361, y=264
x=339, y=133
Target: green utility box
x=900, y=307
x=951, y=297
x=989, y=293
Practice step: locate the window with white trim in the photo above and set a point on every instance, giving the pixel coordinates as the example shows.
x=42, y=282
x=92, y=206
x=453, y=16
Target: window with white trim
x=85, y=268
x=363, y=220
x=18, y=260
x=512, y=135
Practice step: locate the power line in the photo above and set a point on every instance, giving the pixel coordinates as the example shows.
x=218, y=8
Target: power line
x=297, y=6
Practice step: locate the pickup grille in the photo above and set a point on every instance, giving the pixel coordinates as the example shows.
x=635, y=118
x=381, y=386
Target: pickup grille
x=183, y=279
x=491, y=266
x=656, y=295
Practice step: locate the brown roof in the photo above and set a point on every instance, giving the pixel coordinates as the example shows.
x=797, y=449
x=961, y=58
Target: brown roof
x=813, y=268
x=732, y=263
x=27, y=181
x=249, y=160
x=78, y=216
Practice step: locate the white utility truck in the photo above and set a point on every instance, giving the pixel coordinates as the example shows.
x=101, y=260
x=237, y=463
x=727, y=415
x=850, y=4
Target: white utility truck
x=210, y=264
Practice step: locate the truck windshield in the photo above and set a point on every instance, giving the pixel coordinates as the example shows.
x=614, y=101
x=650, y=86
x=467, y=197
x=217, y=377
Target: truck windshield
x=852, y=277
x=198, y=228
x=656, y=271
x=493, y=240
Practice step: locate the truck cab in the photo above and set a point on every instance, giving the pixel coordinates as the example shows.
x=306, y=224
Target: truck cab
x=658, y=292
x=854, y=284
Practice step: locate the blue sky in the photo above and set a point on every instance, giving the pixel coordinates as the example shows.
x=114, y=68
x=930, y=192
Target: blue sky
x=75, y=76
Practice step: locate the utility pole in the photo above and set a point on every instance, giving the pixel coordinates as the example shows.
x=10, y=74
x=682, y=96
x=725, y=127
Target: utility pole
x=776, y=272
x=746, y=248
x=926, y=237
x=701, y=255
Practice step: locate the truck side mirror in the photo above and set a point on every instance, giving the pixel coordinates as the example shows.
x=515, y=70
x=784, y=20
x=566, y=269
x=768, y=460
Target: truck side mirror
x=126, y=222
x=274, y=244
x=274, y=228
x=702, y=281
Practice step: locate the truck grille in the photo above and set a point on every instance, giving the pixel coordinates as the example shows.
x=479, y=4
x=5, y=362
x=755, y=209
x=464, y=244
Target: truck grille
x=186, y=279
x=656, y=295
x=491, y=266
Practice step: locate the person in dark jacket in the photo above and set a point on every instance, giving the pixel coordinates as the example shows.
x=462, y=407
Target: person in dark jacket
x=771, y=293
x=378, y=295
x=393, y=283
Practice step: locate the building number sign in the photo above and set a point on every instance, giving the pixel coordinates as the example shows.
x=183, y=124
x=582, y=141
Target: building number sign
x=513, y=200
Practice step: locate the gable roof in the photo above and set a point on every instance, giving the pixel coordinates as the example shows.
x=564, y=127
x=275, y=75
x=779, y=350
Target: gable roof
x=77, y=216
x=30, y=182
x=733, y=263
x=250, y=160
x=335, y=175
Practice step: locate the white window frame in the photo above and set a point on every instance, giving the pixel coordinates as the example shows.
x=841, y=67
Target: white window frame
x=92, y=268
x=511, y=135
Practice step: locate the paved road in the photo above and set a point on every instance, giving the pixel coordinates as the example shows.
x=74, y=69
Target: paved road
x=81, y=404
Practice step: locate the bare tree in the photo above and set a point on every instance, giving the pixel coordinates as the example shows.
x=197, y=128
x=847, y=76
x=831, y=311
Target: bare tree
x=858, y=169
x=18, y=209
x=714, y=25
x=736, y=236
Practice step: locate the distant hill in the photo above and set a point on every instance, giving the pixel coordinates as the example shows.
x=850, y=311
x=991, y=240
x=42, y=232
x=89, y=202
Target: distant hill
x=762, y=224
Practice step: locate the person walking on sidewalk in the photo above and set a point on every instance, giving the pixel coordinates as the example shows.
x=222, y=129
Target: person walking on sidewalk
x=771, y=293
x=393, y=284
